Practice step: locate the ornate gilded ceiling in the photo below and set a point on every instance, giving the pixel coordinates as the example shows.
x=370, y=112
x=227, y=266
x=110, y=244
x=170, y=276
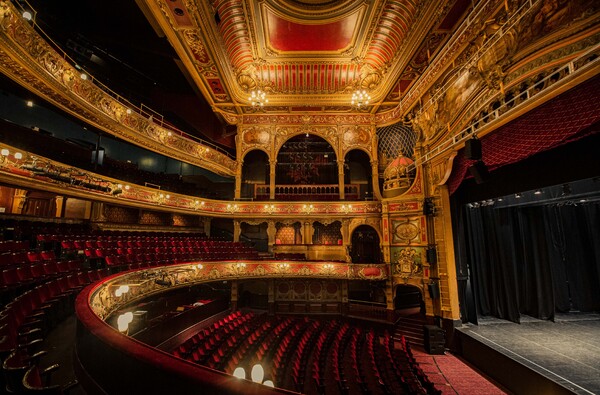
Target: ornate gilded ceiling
x=307, y=55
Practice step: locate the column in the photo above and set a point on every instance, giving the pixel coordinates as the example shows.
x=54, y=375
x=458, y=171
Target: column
x=272, y=165
x=340, y=163
x=206, y=225
x=271, y=231
x=59, y=206
x=97, y=212
x=19, y=200
x=346, y=239
x=308, y=233
x=234, y=295
x=237, y=230
x=375, y=179
x=238, y=180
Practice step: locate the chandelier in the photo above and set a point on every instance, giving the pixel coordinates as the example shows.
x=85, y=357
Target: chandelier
x=360, y=98
x=258, y=98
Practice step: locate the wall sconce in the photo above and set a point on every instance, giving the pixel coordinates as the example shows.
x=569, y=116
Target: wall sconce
x=283, y=267
x=122, y=290
x=308, y=208
x=238, y=267
x=162, y=198
x=270, y=208
x=328, y=268
x=5, y=156
x=346, y=208
x=123, y=321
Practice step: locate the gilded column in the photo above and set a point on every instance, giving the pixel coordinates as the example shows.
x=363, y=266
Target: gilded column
x=238, y=180
x=308, y=233
x=237, y=230
x=340, y=163
x=375, y=179
x=60, y=200
x=271, y=231
x=272, y=165
x=346, y=239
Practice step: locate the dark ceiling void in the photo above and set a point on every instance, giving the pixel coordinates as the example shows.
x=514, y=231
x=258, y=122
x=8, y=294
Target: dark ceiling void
x=113, y=41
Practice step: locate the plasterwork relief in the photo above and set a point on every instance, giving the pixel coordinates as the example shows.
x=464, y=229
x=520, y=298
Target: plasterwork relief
x=49, y=75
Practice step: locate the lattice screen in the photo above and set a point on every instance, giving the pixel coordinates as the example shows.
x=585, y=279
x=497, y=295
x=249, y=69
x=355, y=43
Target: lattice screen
x=393, y=140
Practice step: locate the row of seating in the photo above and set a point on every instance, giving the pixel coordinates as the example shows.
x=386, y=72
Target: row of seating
x=310, y=356
x=26, y=320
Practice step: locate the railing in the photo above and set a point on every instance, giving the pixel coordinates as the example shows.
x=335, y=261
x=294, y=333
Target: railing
x=584, y=62
x=307, y=192
x=141, y=109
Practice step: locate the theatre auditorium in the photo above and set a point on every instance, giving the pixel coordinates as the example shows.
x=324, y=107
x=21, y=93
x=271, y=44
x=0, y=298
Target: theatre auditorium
x=278, y=197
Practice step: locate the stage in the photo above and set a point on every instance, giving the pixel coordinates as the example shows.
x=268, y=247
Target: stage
x=537, y=357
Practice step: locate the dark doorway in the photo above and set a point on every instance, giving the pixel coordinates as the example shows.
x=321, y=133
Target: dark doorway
x=365, y=245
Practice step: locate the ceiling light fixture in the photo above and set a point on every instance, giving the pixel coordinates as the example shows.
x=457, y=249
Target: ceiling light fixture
x=360, y=98
x=258, y=98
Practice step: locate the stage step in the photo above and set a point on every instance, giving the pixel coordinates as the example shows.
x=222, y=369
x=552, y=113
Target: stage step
x=412, y=330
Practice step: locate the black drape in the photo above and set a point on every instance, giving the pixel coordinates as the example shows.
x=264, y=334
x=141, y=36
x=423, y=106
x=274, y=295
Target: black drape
x=532, y=260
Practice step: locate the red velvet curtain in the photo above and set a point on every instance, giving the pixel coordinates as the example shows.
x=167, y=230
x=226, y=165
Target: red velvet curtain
x=561, y=120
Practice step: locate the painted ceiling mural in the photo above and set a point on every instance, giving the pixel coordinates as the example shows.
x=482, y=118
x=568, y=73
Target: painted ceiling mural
x=307, y=55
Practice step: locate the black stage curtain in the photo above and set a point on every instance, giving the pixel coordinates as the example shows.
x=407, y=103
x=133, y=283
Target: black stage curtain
x=532, y=260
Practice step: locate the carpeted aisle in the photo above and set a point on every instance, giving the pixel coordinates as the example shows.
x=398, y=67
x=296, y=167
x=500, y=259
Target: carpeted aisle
x=452, y=376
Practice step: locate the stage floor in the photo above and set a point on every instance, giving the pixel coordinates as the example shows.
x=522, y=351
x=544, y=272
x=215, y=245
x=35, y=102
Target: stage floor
x=566, y=351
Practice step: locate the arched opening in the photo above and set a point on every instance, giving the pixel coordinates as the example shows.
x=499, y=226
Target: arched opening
x=306, y=160
x=358, y=184
x=255, y=174
x=365, y=245
x=408, y=300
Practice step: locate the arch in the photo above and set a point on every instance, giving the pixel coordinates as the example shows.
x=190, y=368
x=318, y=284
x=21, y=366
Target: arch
x=409, y=298
x=306, y=160
x=359, y=171
x=355, y=225
x=365, y=245
x=256, y=149
x=358, y=148
x=333, y=144
x=255, y=171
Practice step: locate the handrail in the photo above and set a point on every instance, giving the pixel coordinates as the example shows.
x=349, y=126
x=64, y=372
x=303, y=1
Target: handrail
x=517, y=102
x=143, y=110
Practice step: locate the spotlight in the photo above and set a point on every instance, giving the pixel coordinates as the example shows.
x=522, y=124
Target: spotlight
x=27, y=15
x=29, y=103
x=18, y=156
x=518, y=195
x=538, y=192
x=83, y=76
